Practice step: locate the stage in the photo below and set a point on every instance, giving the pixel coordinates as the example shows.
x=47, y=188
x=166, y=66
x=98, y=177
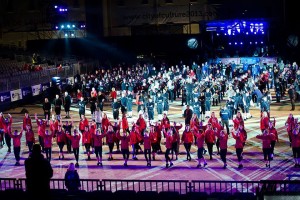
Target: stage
x=254, y=165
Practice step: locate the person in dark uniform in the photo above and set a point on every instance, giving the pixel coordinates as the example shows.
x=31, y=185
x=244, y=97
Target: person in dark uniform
x=159, y=105
x=82, y=106
x=166, y=102
x=278, y=90
x=183, y=99
x=196, y=107
x=202, y=104
x=230, y=106
x=57, y=105
x=116, y=106
x=100, y=100
x=188, y=113
x=124, y=103
x=67, y=104
x=208, y=97
x=150, y=109
x=47, y=109
x=129, y=103
x=292, y=96
x=224, y=115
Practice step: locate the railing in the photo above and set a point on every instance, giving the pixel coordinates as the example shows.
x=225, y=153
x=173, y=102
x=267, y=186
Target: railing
x=180, y=186
x=17, y=81
x=225, y=186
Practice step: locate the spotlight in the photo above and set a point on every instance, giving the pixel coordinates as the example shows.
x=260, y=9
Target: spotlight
x=66, y=34
x=72, y=35
x=73, y=26
x=55, y=6
x=56, y=27
x=68, y=26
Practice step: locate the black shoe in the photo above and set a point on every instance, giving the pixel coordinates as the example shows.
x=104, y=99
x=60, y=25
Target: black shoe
x=17, y=164
x=89, y=158
x=225, y=166
x=167, y=165
x=9, y=151
x=204, y=164
x=198, y=166
x=153, y=158
x=76, y=165
x=63, y=157
x=98, y=163
x=240, y=166
x=171, y=164
x=135, y=158
x=125, y=165
x=210, y=158
x=58, y=157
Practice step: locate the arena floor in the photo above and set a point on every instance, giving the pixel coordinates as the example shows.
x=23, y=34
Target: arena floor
x=254, y=166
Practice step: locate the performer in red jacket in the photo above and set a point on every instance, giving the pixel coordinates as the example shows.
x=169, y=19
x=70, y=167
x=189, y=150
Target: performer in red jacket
x=264, y=121
x=154, y=141
x=98, y=136
x=105, y=122
x=210, y=139
x=17, y=144
x=223, y=137
x=239, y=140
x=41, y=130
x=61, y=141
x=135, y=138
x=83, y=123
x=273, y=131
x=110, y=135
x=75, y=140
x=30, y=140
x=295, y=138
x=187, y=140
x=125, y=141
x=238, y=120
x=26, y=121
x=147, y=148
x=200, y=136
x=169, y=139
x=266, y=138
x=86, y=141
x=47, y=136
x=290, y=125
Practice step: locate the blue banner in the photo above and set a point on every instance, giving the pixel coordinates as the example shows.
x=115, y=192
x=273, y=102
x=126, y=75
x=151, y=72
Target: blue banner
x=26, y=92
x=5, y=97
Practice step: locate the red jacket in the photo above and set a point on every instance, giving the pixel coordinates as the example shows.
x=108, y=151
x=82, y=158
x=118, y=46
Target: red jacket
x=200, y=138
x=54, y=126
x=237, y=121
x=273, y=131
x=239, y=140
x=27, y=121
x=110, y=137
x=113, y=94
x=141, y=123
x=48, y=140
x=98, y=139
x=1, y=123
x=214, y=122
x=223, y=140
x=74, y=140
x=290, y=122
x=125, y=140
x=7, y=126
x=86, y=137
x=105, y=123
x=264, y=123
x=41, y=127
x=187, y=137
x=135, y=137
x=153, y=137
x=60, y=136
x=124, y=124
x=210, y=136
x=83, y=124
x=169, y=140
x=266, y=140
x=16, y=139
x=147, y=142
x=93, y=128
x=29, y=136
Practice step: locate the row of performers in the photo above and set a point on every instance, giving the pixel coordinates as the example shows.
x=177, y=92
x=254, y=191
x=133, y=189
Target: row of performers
x=198, y=134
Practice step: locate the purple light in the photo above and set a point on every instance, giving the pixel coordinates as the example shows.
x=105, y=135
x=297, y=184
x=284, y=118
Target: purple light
x=241, y=43
x=229, y=43
x=235, y=43
x=261, y=42
x=255, y=42
x=56, y=27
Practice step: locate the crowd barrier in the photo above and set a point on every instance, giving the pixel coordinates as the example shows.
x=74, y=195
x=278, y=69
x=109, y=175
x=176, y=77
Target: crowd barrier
x=180, y=186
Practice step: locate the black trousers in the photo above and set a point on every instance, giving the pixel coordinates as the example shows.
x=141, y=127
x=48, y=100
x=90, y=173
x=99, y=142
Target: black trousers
x=17, y=151
x=223, y=153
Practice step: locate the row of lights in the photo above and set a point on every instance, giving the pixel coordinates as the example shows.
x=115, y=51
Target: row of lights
x=241, y=43
x=69, y=26
x=60, y=8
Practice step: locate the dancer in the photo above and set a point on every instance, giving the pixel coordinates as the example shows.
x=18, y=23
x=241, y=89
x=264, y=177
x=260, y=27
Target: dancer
x=187, y=140
x=135, y=138
x=60, y=140
x=47, y=137
x=30, y=140
x=295, y=138
x=210, y=139
x=266, y=146
x=110, y=134
x=239, y=140
x=125, y=141
x=86, y=141
x=169, y=139
x=264, y=121
x=98, y=136
x=154, y=141
x=26, y=121
x=7, y=123
x=68, y=130
x=147, y=148
x=290, y=125
x=83, y=123
x=17, y=144
x=200, y=137
x=223, y=137
x=273, y=131
x=75, y=139
x=41, y=130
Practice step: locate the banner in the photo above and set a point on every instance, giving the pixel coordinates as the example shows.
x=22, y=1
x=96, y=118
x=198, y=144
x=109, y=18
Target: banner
x=36, y=90
x=16, y=95
x=181, y=14
x=5, y=97
x=26, y=92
